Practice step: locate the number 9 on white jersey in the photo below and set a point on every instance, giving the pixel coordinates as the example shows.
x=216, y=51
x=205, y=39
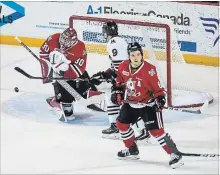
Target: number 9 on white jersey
x=117, y=50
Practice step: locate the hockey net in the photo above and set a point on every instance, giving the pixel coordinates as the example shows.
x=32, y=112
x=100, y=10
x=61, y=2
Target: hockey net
x=160, y=46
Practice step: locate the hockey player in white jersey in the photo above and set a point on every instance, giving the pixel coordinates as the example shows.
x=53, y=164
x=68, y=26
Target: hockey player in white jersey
x=117, y=50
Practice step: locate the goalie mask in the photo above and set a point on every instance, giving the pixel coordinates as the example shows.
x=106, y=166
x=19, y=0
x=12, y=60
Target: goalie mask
x=68, y=38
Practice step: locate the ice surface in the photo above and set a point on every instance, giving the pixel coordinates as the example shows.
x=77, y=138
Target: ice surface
x=33, y=141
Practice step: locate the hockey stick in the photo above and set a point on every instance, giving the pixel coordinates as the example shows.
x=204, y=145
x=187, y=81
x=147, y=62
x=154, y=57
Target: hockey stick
x=27, y=48
x=199, y=155
x=41, y=78
x=63, y=83
x=199, y=111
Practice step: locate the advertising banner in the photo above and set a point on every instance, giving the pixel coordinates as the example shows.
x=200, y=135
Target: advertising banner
x=196, y=26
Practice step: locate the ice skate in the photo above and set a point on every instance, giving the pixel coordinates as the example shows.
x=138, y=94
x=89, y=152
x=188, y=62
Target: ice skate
x=176, y=161
x=131, y=153
x=111, y=133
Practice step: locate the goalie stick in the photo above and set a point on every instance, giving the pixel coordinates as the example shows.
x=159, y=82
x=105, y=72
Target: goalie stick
x=21, y=71
x=41, y=78
x=199, y=111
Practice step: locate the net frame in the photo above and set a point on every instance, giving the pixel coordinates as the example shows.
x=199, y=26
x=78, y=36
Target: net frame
x=168, y=49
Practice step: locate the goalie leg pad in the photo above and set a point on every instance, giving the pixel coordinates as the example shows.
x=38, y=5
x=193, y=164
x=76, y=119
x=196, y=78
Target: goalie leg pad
x=64, y=111
x=61, y=94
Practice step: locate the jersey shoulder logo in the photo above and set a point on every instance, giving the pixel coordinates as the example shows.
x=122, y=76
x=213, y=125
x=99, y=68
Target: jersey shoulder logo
x=125, y=73
x=152, y=72
x=113, y=41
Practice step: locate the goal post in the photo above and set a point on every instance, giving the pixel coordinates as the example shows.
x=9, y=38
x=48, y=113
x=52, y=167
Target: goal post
x=159, y=43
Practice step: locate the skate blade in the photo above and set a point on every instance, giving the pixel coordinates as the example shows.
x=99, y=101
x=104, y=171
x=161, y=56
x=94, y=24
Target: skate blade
x=114, y=136
x=177, y=165
x=71, y=118
x=62, y=118
x=131, y=157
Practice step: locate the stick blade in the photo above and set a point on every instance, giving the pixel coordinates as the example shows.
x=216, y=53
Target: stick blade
x=22, y=72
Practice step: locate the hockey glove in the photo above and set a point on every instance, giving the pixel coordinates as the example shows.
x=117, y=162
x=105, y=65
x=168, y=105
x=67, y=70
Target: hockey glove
x=107, y=75
x=160, y=102
x=95, y=81
x=59, y=62
x=117, y=95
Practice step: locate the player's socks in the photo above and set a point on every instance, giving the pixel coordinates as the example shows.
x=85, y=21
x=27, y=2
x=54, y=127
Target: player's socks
x=169, y=146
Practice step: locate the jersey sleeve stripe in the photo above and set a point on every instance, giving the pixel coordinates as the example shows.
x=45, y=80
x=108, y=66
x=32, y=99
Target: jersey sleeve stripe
x=115, y=64
x=45, y=57
x=80, y=72
x=76, y=70
x=117, y=61
x=44, y=54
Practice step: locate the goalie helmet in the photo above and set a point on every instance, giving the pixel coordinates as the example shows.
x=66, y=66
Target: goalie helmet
x=68, y=38
x=134, y=47
x=110, y=28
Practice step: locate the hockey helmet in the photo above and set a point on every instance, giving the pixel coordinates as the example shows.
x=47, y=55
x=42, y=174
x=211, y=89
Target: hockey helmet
x=110, y=28
x=68, y=38
x=134, y=47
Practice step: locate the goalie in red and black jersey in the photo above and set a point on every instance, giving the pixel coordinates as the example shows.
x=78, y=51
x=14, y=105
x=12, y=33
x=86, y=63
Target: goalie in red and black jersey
x=64, y=55
x=141, y=84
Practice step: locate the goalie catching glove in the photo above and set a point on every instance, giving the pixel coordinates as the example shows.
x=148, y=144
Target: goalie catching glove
x=117, y=94
x=59, y=62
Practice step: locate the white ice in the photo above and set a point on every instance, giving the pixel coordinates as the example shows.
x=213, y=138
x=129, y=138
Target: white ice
x=34, y=142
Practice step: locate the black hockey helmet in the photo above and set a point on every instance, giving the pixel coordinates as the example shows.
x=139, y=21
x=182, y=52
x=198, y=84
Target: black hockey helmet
x=110, y=28
x=134, y=47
